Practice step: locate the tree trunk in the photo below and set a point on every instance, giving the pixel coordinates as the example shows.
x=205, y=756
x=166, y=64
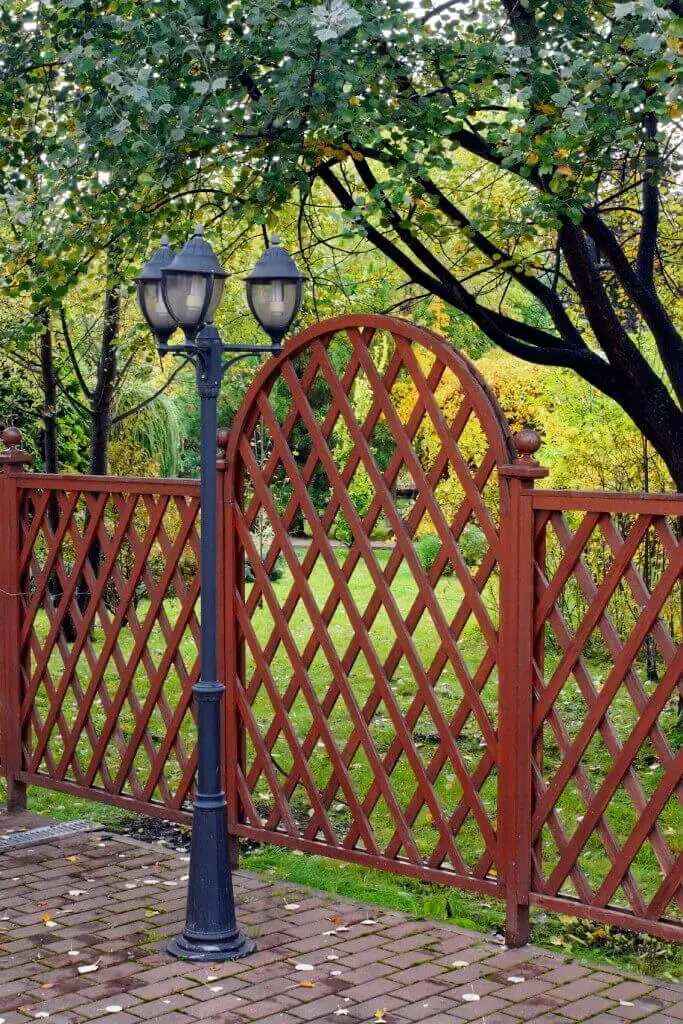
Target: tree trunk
x=101, y=402
x=49, y=382
x=51, y=459
x=103, y=394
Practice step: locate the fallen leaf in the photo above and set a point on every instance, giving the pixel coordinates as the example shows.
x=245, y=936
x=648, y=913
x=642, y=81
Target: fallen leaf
x=333, y=956
x=77, y=892
x=74, y=952
x=470, y=997
x=292, y=906
x=306, y=984
x=48, y=984
x=368, y=920
x=516, y=979
x=88, y=968
x=305, y=967
x=73, y=860
x=113, y=1008
x=41, y=1013
x=335, y=974
x=212, y=977
x=460, y=963
x=216, y=988
x=45, y=918
x=341, y=1012
x=335, y=919
x=151, y=913
x=625, y=1002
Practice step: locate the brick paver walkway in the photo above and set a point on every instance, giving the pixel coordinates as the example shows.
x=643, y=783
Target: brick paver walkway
x=107, y=901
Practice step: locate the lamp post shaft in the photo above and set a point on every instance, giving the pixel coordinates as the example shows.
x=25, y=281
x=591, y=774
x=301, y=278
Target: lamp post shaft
x=211, y=933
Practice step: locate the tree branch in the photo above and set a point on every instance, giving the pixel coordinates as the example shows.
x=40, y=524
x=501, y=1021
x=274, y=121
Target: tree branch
x=647, y=248
x=668, y=340
x=72, y=354
x=151, y=398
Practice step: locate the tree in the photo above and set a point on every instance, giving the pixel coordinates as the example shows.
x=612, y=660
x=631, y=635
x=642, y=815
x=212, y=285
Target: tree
x=413, y=123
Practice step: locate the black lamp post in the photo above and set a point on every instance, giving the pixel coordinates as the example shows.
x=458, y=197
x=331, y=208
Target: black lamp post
x=185, y=291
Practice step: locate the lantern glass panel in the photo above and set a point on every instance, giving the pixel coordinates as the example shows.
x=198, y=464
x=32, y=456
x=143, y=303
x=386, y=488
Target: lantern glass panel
x=186, y=297
x=274, y=303
x=151, y=302
x=216, y=296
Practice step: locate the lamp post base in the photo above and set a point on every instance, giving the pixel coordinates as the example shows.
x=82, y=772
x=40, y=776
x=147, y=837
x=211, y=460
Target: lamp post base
x=212, y=951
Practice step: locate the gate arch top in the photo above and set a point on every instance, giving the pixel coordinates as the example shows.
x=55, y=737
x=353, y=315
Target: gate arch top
x=357, y=328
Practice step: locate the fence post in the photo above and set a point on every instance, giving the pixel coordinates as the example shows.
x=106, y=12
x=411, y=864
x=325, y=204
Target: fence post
x=12, y=461
x=516, y=669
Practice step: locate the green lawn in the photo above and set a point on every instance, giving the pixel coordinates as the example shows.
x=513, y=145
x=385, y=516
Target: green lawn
x=387, y=889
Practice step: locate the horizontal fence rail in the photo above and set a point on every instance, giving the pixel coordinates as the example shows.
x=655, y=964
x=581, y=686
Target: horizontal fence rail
x=505, y=719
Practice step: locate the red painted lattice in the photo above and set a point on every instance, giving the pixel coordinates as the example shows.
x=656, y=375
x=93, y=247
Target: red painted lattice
x=328, y=716
x=109, y=636
x=500, y=714
x=607, y=822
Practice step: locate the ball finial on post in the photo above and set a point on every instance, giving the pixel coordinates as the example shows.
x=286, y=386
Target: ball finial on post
x=527, y=443
x=13, y=456
x=12, y=437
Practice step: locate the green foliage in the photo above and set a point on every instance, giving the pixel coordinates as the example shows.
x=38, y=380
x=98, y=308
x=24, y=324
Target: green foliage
x=152, y=421
x=20, y=406
x=428, y=549
x=473, y=545
x=361, y=492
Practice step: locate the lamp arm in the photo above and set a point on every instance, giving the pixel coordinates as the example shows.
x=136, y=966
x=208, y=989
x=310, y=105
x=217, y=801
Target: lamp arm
x=182, y=350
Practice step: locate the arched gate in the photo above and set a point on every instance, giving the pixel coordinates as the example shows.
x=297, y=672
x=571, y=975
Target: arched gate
x=366, y=674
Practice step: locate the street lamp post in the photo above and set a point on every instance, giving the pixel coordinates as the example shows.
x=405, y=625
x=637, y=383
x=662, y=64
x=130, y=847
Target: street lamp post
x=185, y=291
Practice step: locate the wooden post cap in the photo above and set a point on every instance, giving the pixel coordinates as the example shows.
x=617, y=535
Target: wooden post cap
x=12, y=437
x=222, y=437
x=13, y=456
x=527, y=443
x=525, y=467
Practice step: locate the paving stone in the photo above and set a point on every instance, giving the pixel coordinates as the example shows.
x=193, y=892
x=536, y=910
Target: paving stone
x=395, y=964
x=588, y=1007
x=483, y=1008
x=418, y=1010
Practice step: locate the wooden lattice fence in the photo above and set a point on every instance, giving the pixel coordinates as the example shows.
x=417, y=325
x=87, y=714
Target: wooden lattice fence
x=505, y=719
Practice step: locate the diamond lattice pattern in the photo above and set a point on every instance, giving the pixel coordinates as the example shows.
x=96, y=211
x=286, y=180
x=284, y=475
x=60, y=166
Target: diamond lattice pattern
x=607, y=822
x=109, y=639
x=367, y=683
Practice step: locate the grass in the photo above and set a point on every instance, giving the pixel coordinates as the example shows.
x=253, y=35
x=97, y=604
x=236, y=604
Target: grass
x=404, y=894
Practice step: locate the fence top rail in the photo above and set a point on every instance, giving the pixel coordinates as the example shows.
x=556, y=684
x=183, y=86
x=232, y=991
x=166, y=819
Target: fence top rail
x=110, y=484
x=599, y=501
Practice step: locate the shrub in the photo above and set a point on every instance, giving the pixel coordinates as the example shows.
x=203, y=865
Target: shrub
x=428, y=548
x=473, y=545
